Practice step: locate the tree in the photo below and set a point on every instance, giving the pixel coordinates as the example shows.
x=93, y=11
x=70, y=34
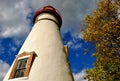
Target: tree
x=103, y=27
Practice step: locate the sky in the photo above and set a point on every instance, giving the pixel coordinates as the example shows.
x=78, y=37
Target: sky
x=16, y=18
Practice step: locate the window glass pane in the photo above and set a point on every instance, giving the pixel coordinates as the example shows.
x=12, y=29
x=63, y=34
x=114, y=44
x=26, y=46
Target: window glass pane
x=22, y=63
x=21, y=66
x=19, y=73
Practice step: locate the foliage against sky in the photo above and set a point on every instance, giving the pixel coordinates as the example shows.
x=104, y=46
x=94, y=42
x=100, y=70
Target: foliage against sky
x=103, y=27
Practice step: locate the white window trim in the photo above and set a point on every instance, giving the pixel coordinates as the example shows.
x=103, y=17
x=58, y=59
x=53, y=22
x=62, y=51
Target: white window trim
x=24, y=57
x=20, y=78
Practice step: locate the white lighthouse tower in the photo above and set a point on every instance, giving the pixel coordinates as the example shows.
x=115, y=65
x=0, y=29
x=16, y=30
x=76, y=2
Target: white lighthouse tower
x=43, y=57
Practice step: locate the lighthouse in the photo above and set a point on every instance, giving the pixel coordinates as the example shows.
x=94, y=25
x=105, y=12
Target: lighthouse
x=42, y=57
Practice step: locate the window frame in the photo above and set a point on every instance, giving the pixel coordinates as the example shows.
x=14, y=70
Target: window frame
x=30, y=56
x=20, y=68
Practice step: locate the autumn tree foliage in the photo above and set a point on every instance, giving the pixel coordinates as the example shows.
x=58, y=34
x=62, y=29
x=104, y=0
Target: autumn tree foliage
x=103, y=27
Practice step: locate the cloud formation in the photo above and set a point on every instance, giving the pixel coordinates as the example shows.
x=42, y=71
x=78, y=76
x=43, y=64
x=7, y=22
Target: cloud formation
x=72, y=12
x=3, y=69
x=13, y=22
x=80, y=76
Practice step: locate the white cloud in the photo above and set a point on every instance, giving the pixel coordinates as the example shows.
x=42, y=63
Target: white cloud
x=3, y=69
x=73, y=45
x=72, y=11
x=79, y=45
x=70, y=43
x=74, y=42
x=13, y=22
x=80, y=76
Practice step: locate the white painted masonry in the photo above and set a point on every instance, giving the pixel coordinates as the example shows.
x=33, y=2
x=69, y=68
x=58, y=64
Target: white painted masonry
x=51, y=63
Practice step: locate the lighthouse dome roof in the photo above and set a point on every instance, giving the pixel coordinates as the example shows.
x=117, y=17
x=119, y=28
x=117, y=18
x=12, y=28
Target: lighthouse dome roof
x=48, y=9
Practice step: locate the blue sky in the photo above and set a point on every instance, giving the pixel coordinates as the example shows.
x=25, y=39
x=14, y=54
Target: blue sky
x=16, y=23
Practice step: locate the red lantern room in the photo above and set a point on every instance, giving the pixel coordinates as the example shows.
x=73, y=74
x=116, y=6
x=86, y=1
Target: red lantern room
x=51, y=10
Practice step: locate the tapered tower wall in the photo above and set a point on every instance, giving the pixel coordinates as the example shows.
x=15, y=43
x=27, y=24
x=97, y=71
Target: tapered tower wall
x=50, y=63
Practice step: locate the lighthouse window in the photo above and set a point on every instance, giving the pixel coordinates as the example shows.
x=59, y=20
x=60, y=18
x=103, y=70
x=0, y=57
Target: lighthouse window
x=20, y=69
x=22, y=65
